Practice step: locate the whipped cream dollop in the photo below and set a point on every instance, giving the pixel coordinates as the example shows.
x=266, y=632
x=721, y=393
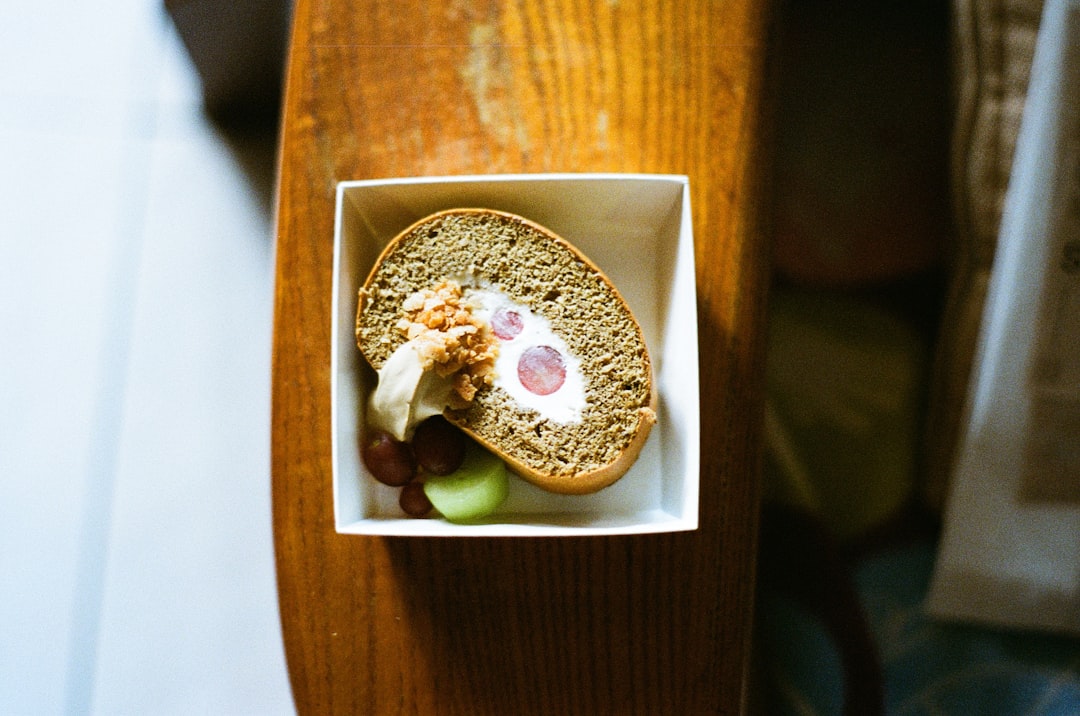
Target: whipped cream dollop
x=531, y=362
x=407, y=393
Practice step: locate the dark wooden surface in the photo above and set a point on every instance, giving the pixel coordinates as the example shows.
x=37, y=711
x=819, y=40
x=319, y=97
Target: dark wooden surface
x=656, y=624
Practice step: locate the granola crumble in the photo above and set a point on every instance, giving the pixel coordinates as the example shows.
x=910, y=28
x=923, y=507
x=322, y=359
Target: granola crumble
x=451, y=340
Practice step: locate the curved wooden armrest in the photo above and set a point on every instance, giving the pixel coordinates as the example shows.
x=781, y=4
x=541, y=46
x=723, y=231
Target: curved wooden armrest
x=639, y=624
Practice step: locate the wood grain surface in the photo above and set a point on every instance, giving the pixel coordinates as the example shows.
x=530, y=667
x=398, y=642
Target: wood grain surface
x=655, y=624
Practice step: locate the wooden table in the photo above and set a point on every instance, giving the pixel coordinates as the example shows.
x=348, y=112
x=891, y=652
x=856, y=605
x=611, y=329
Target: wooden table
x=643, y=624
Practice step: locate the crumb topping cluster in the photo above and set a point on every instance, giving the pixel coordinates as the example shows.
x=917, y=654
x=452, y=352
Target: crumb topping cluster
x=450, y=339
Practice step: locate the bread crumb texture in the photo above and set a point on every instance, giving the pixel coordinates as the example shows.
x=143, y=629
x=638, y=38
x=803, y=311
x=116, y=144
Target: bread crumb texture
x=543, y=272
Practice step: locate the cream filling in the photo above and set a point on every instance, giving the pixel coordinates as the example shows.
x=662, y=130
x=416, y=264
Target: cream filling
x=566, y=404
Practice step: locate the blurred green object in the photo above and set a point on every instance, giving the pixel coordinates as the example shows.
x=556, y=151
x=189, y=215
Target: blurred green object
x=845, y=381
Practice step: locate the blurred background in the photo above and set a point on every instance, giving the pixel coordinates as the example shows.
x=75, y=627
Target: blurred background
x=136, y=289
x=905, y=567
x=136, y=294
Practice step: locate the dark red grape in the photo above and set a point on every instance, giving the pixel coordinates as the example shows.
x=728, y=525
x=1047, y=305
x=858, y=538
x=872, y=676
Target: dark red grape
x=506, y=324
x=414, y=502
x=389, y=460
x=542, y=370
x=439, y=447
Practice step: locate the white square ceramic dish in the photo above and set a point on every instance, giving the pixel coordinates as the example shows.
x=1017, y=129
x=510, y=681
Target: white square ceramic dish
x=637, y=229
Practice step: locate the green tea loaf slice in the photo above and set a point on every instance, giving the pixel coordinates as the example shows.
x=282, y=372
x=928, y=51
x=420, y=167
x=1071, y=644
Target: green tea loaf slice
x=515, y=336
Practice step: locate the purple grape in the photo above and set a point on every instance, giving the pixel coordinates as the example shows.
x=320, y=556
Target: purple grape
x=389, y=460
x=507, y=324
x=439, y=446
x=413, y=500
x=542, y=370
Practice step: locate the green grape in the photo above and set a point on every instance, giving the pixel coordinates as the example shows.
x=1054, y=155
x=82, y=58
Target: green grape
x=474, y=490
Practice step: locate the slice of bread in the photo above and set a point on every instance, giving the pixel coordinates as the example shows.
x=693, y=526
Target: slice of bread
x=536, y=269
